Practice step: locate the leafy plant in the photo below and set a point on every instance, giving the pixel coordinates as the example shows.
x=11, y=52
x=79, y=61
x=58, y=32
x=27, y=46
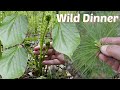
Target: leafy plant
x=15, y=40
x=43, y=31
x=14, y=57
x=85, y=57
x=21, y=30
x=45, y=24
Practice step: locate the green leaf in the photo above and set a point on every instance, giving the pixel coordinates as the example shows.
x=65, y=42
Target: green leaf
x=85, y=57
x=65, y=38
x=13, y=30
x=13, y=63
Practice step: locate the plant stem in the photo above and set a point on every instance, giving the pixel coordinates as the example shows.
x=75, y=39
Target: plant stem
x=41, y=47
x=42, y=38
x=41, y=54
x=35, y=56
x=35, y=20
x=36, y=61
x=35, y=27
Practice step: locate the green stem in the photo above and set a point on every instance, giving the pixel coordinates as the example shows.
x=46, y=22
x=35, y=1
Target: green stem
x=40, y=60
x=36, y=61
x=41, y=47
x=34, y=56
x=35, y=27
x=42, y=55
x=35, y=20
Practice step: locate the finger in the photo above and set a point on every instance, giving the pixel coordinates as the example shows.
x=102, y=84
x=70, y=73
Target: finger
x=51, y=62
x=111, y=50
x=106, y=59
x=53, y=57
x=103, y=57
x=116, y=65
x=112, y=40
x=118, y=69
x=50, y=52
x=110, y=61
x=60, y=57
x=38, y=47
x=36, y=52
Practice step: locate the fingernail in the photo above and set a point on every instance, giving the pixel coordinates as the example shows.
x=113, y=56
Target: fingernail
x=103, y=49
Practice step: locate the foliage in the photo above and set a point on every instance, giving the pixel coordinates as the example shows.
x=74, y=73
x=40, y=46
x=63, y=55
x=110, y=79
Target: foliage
x=11, y=30
x=13, y=62
x=85, y=57
x=15, y=30
x=65, y=38
x=21, y=31
x=14, y=58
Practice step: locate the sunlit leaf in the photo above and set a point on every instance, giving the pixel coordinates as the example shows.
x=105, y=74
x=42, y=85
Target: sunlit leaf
x=13, y=63
x=65, y=38
x=13, y=30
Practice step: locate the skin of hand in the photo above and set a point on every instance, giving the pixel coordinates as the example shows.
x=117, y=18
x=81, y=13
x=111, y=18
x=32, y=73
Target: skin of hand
x=52, y=58
x=110, y=53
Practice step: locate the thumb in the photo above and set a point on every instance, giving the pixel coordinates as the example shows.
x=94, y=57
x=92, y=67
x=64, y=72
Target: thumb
x=111, y=51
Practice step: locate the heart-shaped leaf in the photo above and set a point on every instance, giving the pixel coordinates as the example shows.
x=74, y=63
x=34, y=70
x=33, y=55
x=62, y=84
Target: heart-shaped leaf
x=13, y=63
x=66, y=38
x=13, y=30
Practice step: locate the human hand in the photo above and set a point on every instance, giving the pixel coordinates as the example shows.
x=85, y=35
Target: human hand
x=53, y=57
x=111, y=53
